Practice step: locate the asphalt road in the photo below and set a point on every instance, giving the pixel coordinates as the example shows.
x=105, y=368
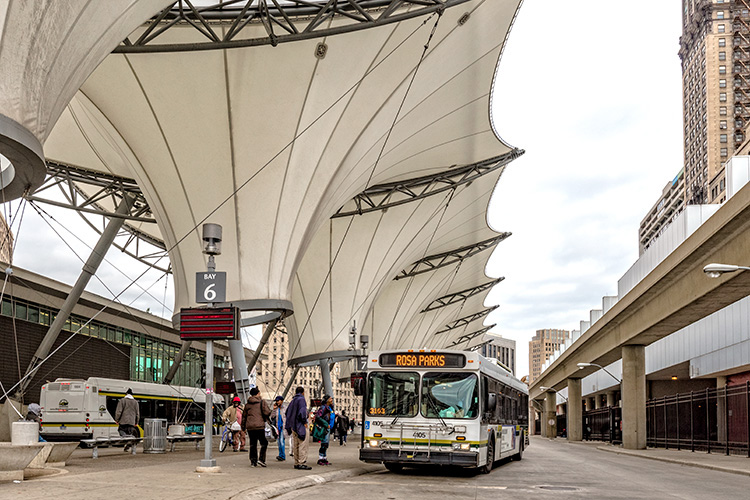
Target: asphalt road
x=548, y=470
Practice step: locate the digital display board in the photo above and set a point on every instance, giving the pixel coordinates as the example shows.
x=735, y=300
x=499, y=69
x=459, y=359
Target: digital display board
x=221, y=323
x=422, y=360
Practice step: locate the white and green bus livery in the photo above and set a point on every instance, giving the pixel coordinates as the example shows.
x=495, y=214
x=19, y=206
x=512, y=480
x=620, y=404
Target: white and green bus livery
x=74, y=409
x=442, y=407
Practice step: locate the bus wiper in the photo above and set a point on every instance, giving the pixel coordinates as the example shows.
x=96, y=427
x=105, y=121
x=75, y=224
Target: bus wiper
x=437, y=412
x=409, y=402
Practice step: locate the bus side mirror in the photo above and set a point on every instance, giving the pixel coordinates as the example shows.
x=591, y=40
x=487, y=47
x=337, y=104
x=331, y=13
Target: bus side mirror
x=492, y=402
x=359, y=384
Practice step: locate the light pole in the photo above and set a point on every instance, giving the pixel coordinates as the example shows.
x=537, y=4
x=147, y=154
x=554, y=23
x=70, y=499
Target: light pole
x=716, y=270
x=567, y=406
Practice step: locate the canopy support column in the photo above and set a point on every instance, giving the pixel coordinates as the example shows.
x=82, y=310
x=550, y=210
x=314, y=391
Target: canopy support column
x=177, y=361
x=325, y=373
x=291, y=382
x=88, y=270
x=263, y=340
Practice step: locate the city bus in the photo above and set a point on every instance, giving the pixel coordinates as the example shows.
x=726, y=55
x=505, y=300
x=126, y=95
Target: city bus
x=442, y=407
x=74, y=409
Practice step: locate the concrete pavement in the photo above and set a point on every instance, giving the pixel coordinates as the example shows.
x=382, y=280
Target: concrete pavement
x=116, y=474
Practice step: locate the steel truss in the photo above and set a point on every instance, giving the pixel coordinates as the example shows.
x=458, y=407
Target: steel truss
x=223, y=23
x=391, y=194
x=451, y=257
x=470, y=336
x=466, y=320
x=107, y=187
x=453, y=298
x=478, y=346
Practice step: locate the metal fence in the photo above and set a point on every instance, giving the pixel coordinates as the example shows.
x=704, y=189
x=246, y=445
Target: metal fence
x=603, y=424
x=714, y=420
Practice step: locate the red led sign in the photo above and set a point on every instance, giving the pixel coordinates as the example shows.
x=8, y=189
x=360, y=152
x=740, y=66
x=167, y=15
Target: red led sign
x=209, y=324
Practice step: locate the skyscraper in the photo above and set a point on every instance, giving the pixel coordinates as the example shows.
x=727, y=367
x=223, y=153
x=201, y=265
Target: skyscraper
x=715, y=55
x=541, y=347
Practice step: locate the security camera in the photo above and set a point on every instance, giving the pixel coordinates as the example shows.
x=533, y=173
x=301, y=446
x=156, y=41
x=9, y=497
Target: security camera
x=212, y=239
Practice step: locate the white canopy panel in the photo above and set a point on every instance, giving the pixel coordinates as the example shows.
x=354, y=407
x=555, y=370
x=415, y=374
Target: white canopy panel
x=409, y=311
x=270, y=141
x=350, y=261
x=47, y=50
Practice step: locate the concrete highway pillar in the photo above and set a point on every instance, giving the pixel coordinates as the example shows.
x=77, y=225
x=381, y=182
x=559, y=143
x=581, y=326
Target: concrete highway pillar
x=550, y=415
x=721, y=408
x=612, y=398
x=634, y=397
x=598, y=401
x=575, y=410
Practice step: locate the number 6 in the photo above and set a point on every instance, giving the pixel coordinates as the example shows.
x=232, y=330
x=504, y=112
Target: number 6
x=208, y=293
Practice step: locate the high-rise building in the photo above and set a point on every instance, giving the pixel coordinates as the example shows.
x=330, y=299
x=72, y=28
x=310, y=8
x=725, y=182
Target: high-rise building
x=671, y=203
x=273, y=373
x=715, y=54
x=541, y=347
x=502, y=349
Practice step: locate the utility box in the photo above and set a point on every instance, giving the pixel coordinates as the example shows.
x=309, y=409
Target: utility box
x=154, y=435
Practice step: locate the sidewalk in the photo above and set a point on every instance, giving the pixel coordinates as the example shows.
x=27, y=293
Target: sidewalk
x=715, y=461
x=116, y=474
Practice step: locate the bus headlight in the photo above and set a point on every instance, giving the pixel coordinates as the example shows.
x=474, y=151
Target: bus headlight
x=462, y=446
x=373, y=443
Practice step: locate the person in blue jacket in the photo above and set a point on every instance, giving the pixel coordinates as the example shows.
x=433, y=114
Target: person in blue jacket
x=296, y=425
x=325, y=419
x=277, y=421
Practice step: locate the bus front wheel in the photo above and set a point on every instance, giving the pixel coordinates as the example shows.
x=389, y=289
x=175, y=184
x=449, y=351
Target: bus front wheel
x=394, y=467
x=518, y=456
x=487, y=468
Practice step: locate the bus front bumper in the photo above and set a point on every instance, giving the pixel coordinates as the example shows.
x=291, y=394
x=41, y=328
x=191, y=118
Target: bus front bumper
x=378, y=455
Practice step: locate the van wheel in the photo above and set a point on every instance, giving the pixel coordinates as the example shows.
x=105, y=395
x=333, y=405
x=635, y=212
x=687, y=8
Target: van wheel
x=396, y=468
x=487, y=468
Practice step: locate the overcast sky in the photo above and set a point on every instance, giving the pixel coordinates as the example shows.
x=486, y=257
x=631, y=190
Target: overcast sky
x=594, y=97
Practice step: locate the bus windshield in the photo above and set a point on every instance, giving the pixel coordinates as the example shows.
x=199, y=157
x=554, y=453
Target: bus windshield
x=393, y=394
x=450, y=395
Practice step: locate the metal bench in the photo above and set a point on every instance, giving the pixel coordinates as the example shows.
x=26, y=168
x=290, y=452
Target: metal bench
x=103, y=442
x=182, y=439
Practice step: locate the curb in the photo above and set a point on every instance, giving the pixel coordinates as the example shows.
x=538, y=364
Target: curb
x=675, y=461
x=282, y=487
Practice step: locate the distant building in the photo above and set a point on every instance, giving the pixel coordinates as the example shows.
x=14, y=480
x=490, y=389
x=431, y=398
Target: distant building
x=6, y=240
x=541, y=347
x=273, y=374
x=665, y=210
x=716, y=92
x=502, y=349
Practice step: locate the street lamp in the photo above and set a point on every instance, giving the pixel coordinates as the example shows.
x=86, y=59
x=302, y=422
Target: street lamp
x=716, y=270
x=547, y=389
x=581, y=366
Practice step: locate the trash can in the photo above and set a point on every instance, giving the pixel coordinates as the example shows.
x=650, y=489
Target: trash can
x=154, y=435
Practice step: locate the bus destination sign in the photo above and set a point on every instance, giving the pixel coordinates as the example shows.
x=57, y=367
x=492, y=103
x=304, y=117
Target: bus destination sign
x=422, y=360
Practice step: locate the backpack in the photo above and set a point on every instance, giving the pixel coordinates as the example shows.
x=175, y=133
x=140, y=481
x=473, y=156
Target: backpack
x=320, y=426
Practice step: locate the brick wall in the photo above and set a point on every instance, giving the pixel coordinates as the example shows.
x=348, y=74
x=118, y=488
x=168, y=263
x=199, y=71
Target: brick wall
x=81, y=357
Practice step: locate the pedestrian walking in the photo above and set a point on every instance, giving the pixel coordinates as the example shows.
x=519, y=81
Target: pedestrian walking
x=233, y=417
x=127, y=416
x=296, y=425
x=342, y=427
x=277, y=421
x=325, y=418
x=254, y=418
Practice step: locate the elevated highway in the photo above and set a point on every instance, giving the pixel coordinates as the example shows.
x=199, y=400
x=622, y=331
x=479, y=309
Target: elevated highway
x=675, y=294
